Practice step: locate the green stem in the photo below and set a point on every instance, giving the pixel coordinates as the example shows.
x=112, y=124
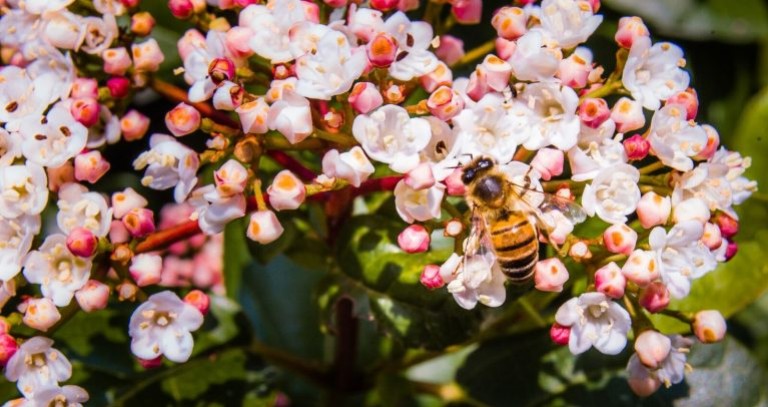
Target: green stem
x=608, y=89
x=342, y=140
x=477, y=53
x=651, y=168
x=532, y=312
x=679, y=315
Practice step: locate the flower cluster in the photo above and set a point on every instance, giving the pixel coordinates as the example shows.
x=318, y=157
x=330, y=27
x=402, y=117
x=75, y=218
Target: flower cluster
x=363, y=89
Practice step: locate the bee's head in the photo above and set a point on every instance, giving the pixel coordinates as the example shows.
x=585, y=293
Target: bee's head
x=475, y=168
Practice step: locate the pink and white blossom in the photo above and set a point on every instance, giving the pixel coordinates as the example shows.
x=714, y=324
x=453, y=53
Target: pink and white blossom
x=169, y=164
x=390, y=135
x=59, y=272
x=37, y=365
x=595, y=320
x=653, y=73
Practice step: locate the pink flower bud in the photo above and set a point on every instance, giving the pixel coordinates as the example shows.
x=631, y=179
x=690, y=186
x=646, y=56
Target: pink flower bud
x=641, y=267
x=497, y=72
x=548, y=162
x=610, y=281
x=628, y=115
x=445, y=103
x=139, y=222
x=130, y=3
x=654, y=297
x=454, y=186
x=620, y=238
x=230, y=178
x=450, y=50
x=688, y=99
x=286, y=192
x=142, y=23
x=116, y=61
x=636, y=147
x=453, y=228
x=652, y=348
x=574, y=70
x=85, y=111
x=712, y=237
x=383, y=5
x=709, y=326
x=593, y=112
x=82, y=242
x=181, y=9
x=414, y=239
x=311, y=11
x=90, y=166
x=653, y=209
x=594, y=4
x=691, y=209
x=505, y=48
x=118, y=233
x=478, y=84
x=641, y=381
x=40, y=313
x=126, y=291
x=382, y=50
x=84, y=88
x=420, y=177
x=151, y=363
x=93, y=296
x=467, y=11
x=182, y=120
x=729, y=226
x=118, y=86
x=263, y=227
x=442, y=75
x=147, y=56
x=8, y=347
x=550, y=275
x=365, y=97
x=191, y=41
x=236, y=41
x=335, y=3
x=731, y=250
x=199, y=300
x=510, y=22
x=630, y=28
x=579, y=251
x=352, y=166
x=560, y=334
x=146, y=268
x=713, y=142
x=134, y=125
x=123, y=202
x=431, y=278
x=221, y=69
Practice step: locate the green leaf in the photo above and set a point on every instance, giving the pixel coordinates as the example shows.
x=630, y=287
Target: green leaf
x=195, y=378
x=221, y=320
x=741, y=21
x=368, y=254
x=236, y=256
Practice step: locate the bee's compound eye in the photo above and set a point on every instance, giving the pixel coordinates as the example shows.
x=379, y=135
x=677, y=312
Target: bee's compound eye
x=468, y=175
x=485, y=163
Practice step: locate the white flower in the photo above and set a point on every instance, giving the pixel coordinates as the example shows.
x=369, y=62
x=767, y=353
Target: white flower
x=532, y=60
x=16, y=236
x=69, y=396
x=291, y=115
x=671, y=370
x=654, y=73
x=169, y=164
x=568, y=22
x=554, y=120
x=741, y=187
x=99, y=33
x=413, y=40
x=213, y=210
x=64, y=30
x=352, y=166
x=613, y=194
x=474, y=279
x=115, y=7
x=10, y=147
x=418, y=204
x=107, y=130
x=595, y=320
x=80, y=208
x=59, y=272
x=44, y=6
x=442, y=150
x=21, y=96
x=675, y=140
x=197, y=62
x=391, y=136
x=706, y=181
x=36, y=365
x=271, y=24
x=162, y=326
x=54, y=139
x=331, y=69
x=490, y=129
x=684, y=257
x=231, y=178
x=23, y=190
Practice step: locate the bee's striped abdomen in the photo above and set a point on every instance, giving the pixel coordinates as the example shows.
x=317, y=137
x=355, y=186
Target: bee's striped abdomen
x=516, y=244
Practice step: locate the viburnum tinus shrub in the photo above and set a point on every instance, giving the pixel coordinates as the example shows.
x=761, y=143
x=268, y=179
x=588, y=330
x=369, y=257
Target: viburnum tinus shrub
x=433, y=195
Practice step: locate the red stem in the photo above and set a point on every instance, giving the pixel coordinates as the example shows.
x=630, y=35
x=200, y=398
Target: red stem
x=178, y=94
x=378, y=184
x=166, y=237
x=292, y=164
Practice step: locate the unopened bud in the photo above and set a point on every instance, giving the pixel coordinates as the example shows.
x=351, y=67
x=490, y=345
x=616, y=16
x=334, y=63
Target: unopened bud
x=181, y=9
x=712, y=237
x=636, y=147
x=146, y=269
x=82, y=242
x=253, y=116
x=431, y=278
x=477, y=87
x=383, y=5
x=548, y=162
x=729, y=226
x=655, y=297
x=652, y=348
x=641, y=267
x=610, y=281
x=142, y=23
x=84, y=88
x=420, y=177
x=560, y=334
x=365, y=97
x=139, y=222
x=550, y=275
x=230, y=179
x=453, y=228
x=182, y=120
x=199, y=300
x=286, y=191
x=414, y=239
x=593, y=112
x=93, y=296
x=119, y=86
x=451, y=49
x=628, y=115
x=382, y=50
x=574, y=71
x=264, y=227
x=151, y=363
x=440, y=76
x=709, y=326
x=134, y=125
x=630, y=28
x=126, y=200
x=580, y=251
x=454, y=186
x=620, y=238
x=147, y=56
x=116, y=61
x=90, y=166
x=467, y=11
x=497, y=72
x=445, y=103
x=688, y=99
x=510, y=22
x=731, y=250
x=8, y=347
x=653, y=209
x=126, y=291
x=85, y=111
x=40, y=313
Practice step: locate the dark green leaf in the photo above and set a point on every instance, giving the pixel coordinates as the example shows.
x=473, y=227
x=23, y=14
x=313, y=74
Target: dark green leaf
x=197, y=376
x=221, y=320
x=236, y=256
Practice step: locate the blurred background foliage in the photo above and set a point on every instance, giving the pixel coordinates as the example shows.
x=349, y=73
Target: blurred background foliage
x=336, y=315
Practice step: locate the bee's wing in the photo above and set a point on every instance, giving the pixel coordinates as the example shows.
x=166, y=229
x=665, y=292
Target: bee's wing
x=541, y=203
x=478, y=242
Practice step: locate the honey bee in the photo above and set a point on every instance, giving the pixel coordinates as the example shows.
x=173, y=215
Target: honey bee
x=507, y=218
